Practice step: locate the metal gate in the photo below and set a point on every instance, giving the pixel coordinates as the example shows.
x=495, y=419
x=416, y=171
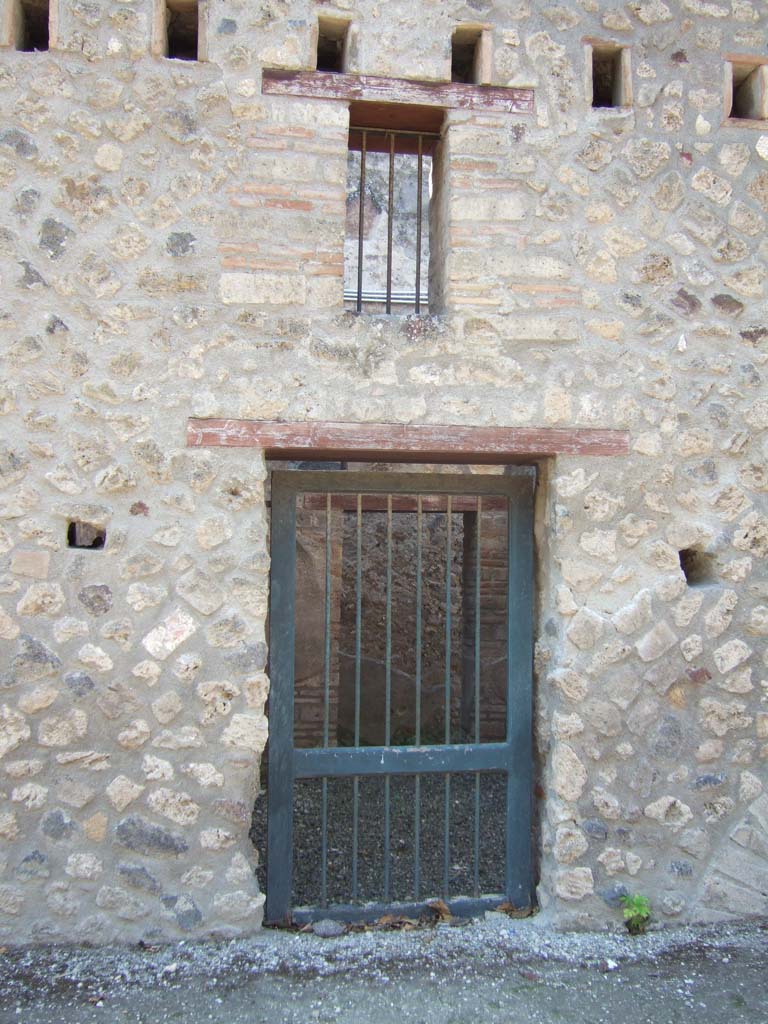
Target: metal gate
x=363, y=817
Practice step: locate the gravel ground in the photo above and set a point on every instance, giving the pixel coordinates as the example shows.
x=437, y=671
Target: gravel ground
x=308, y=832
x=496, y=968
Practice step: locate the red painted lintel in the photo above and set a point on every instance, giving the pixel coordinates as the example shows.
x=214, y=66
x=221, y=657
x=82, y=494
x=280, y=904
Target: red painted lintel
x=400, y=442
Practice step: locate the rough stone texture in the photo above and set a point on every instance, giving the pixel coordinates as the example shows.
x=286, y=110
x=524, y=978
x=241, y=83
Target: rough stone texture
x=172, y=245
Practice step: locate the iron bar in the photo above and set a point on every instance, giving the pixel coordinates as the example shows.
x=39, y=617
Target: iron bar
x=361, y=225
x=417, y=737
x=390, y=219
x=358, y=643
x=478, y=561
x=447, y=733
x=314, y=762
x=417, y=305
x=326, y=700
x=388, y=697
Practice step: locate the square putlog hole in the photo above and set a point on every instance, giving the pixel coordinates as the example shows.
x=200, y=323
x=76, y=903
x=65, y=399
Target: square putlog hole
x=749, y=92
x=182, y=21
x=610, y=76
x=331, y=44
x=697, y=566
x=32, y=29
x=86, y=535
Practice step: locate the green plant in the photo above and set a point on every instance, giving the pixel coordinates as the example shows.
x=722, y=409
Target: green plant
x=637, y=912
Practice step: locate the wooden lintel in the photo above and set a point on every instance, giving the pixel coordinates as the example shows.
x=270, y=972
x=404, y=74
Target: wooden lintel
x=402, y=442
x=373, y=89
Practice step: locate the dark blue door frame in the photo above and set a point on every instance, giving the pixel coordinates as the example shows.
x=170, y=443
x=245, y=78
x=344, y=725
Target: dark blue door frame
x=514, y=756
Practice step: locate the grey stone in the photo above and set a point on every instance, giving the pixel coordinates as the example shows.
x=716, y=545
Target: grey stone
x=179, y=123
x=34, y=865
x=595, y=829
x=612, y=894
x=97, y=598
x=18, y=141
x=54, y=237
x=137, y=834
x=26, y=202
x=138, y=877
x=80, y=683
x=227, y=27
x=666, y=738
x=727, y=304
x=57, y=825
x=681, y=868
x=327, y=928
x=248, y=657
x=686, y=302
x=187, y=913
x=180, y=243
x=56, y=325
x=32, y=661
x=30, y=277
x=710, y=781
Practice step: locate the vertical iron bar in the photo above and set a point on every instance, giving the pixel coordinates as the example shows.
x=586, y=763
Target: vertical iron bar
x=358, y=640
x=388, y=697
x=478, y=560
x=361, y=225
x=326, y=698
x=417, y=781
x=390, y=219
x=418, y=225
x=519, y=703
x=282, y=629
x=447, y=731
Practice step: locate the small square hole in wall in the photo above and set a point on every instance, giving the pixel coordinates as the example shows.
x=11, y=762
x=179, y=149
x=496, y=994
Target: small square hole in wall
x=182, y=22
x=749, y=92
x=468, y=55
x=331, y=44
x=697, y=566
x=86, y=535
x=610, y=76
x=32, y=25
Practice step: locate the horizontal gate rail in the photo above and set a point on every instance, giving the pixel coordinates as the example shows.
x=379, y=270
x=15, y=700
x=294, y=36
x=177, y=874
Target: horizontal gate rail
x=312, y=763
x=298, y=481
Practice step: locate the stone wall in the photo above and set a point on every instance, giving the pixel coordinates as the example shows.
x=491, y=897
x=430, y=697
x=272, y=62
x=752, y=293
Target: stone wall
x=171, y=244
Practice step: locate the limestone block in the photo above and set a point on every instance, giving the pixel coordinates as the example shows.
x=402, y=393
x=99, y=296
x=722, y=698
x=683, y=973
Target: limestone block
x=134, y=735
x=122, y=791
x=569, y=776
x=612, y=860
x=13, y=729
x=167, y=707
x=635, y=615
x=585, y=629
x=570, y=683
x=570, y=844
x=31, y=795
x=42, y=599
x=9, y=630
x=669, y=811
x=239, y=906
x=178, y=807
x=720, y=717
x=731, y=654
x=204, y=774
x=246, y=732
x=263, y=289
x=163, y=640
x=656, y=642
x=95, y=658
x=574, y=883
x=83, y=865
x=566, y=726
x=38, y=699
x=31, y=563
x=156, y=769
x=216, y=839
